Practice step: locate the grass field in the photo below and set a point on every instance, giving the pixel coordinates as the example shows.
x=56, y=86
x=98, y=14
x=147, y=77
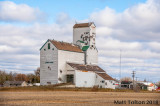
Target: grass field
x=57, y=88
x=88, y=97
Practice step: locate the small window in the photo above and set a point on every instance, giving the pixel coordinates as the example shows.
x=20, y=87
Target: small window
x=60, y=71
x=49, y=83
x=106, y=83
x=102, y=81
x=44, y=49
x=52, y=48
x=48, y=45
x=49, y=68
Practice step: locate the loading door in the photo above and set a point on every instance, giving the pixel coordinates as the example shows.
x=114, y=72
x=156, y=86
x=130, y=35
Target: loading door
x=70, y=78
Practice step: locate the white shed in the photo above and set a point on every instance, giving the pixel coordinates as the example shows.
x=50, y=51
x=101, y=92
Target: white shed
x=89, y=76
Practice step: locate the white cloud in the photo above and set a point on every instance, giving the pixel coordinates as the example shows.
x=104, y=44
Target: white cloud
x=20, y=45
x=5, y=48
x=104, y=17
x=154, y=46
x=139, y=22
x=113, y=44
x=10, y=11
x=135, y=31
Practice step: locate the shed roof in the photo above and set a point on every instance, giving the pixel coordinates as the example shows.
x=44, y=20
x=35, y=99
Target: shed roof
x=66, y=46
x=94, y=68
x=105, y=76
x=81, y=25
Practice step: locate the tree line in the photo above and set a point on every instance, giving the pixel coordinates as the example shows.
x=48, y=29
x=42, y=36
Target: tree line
x=12, y=76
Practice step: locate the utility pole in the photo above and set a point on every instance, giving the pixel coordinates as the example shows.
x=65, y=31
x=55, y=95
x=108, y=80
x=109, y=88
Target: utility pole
x=136, y=82
x=133, y=75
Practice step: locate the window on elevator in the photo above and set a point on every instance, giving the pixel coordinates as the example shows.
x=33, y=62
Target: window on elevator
x=49, y=46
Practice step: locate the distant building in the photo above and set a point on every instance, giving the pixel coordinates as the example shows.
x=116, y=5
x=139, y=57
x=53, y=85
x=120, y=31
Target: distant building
x=127, y=84
x=14, y=83
x=147, y=86
x=76, y=63
x=36, y=84
x=158, y=89
x=29, y=84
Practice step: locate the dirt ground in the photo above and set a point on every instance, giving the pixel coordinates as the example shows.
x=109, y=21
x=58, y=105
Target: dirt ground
x=73, y=98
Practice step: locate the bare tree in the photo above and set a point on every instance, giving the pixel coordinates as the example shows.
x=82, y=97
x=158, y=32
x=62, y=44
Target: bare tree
x=2, y=77
x=37, y=72
x=31, y=78
x=126, y=79
x=21, y=77
x=37, y=75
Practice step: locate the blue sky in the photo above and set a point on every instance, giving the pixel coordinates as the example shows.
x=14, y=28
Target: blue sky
x=129, y=25
x=78, y=9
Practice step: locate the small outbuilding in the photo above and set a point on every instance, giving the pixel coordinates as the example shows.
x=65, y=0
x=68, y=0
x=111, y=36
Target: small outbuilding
x=36, y=84
x=14, y=83
x=147, y=86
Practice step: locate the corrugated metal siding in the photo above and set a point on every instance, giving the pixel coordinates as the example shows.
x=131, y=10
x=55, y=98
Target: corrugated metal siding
x=92, y=56
x=49, y=55
x=105, y=84
x=77, y=32
x=84, y=79
x=98, y=81
x=92, y=53
x=110, y=84
x=66, y=56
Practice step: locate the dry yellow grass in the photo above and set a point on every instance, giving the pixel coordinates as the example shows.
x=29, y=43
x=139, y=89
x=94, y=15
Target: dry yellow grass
x=71, y=98
x=57, y=88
